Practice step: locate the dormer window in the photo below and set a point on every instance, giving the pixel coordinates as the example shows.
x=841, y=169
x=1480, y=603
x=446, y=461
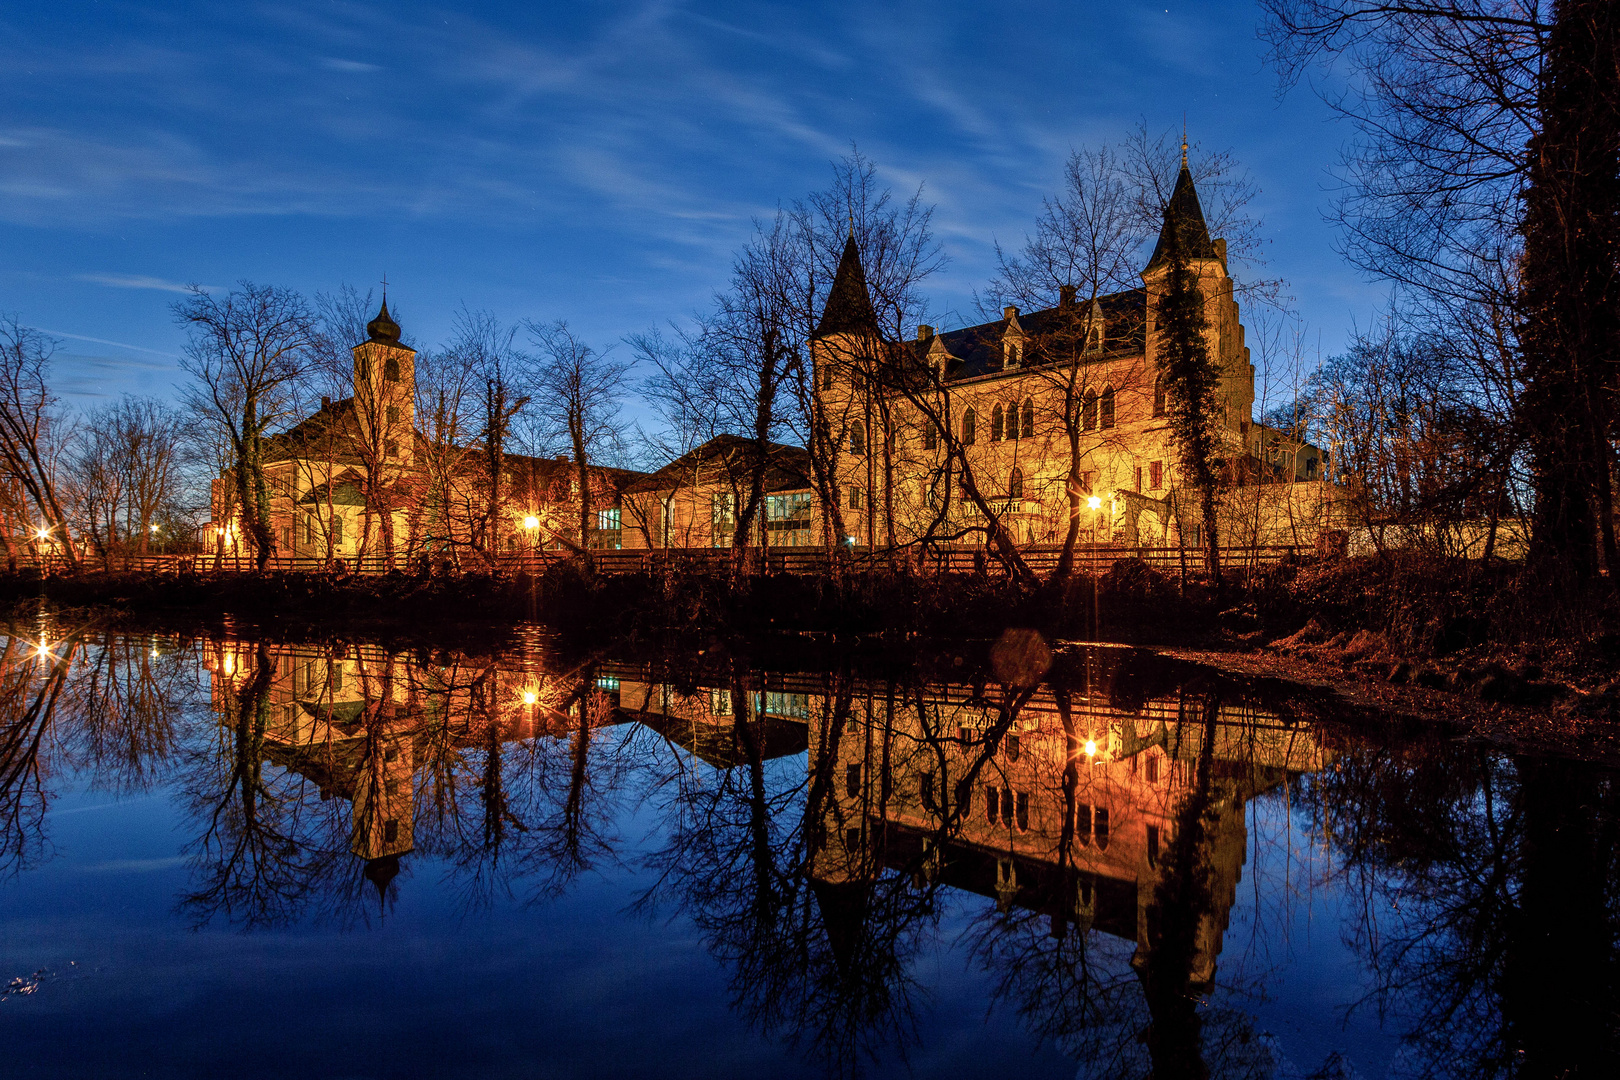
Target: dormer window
x=1094, y=328
x=1012, y=354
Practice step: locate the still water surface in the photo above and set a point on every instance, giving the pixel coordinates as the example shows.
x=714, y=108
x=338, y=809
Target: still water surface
x=229, y=857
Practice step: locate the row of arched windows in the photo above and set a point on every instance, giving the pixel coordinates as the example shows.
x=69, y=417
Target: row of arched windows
x=1004, y=424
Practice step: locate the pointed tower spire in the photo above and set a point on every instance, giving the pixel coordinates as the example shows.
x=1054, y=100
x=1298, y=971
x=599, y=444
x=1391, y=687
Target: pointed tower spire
x=1185, y=214
x=849, y=305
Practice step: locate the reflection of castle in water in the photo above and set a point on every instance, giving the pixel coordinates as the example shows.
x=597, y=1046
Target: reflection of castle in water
x=1067, y=805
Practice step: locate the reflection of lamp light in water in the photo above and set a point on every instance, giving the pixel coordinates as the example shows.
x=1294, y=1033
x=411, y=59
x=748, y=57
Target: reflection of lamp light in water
x=530, y=697
x=1091, y=748
x=230, y=663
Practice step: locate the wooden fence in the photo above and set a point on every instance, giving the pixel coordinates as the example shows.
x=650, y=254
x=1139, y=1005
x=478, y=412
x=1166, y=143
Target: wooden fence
x=1088, y=558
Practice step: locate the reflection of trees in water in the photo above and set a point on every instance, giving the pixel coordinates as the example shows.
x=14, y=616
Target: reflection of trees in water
x=1484, y=886
x=1487, y=888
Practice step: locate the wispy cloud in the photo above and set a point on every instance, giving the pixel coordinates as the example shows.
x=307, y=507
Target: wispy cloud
x=136, y=281
x=334, y=63
x=104, y=341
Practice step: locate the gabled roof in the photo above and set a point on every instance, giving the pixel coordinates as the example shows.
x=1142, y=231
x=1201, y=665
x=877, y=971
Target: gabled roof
x=725, y=457
x=1186, y=215
x=849, y=305
x=978, y=349
x=328, y=432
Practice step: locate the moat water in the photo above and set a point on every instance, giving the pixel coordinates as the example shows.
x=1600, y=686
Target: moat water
x=225, y=856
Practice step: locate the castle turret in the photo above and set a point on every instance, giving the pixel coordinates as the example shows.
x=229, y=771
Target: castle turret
x=385, y=390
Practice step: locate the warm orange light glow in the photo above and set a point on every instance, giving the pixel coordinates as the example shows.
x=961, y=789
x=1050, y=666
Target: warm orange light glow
x=43, y=533
x=230, y=663
x=531, y=522
x=1091, y=748
x=530, y=697
x=1094, y=502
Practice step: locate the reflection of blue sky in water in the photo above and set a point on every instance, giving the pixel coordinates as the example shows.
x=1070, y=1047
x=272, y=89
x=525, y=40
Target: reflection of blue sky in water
x=523, y=968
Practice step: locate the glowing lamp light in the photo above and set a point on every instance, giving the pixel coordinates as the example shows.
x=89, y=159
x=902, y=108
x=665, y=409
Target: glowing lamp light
x=42, y=533
x=154, y=528
x=531, y=522
x=530, y=697
x=1091, y=748
x=1094, y=502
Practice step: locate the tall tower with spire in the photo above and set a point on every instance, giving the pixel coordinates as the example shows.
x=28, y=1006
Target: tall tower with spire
x=846, y=343
x=1207, y=259
x=385, y=390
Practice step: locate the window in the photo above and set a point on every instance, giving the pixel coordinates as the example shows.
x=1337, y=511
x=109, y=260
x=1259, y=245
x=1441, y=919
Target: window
x=1155, y=475
x=792, y=706
x=1099, y=827
x=1153, y=845
x=992, y=804
x=1082, y=824
x=1015, y=486
x=970, y=424
x=391, y=370
x=719, y=702
x=390, y=831
x=363, y=365
x=930, y=435
x=857, y=439
x=1107, y=407
x=1310, y=468
x=852, y=780
x=1029, y=418
x=1151, y=768
x=1013, y=748
x=1023, y=811
x=608, y=520
x=393, y=414
x=337, y=530
x=390, y=448
x=1139, y=478
x=996, y=421
x=1006, y=807
x=311, y=532
x=1160, y=398
x=1012, y=355
x=855, y=498
x=925, y=791
x=827, y=377
x=1088, y=411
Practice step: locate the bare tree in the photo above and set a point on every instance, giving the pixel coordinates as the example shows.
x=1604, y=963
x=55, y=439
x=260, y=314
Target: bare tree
x=32, y=434
x=578, y=392
x=245, y=350
x=1485, y=173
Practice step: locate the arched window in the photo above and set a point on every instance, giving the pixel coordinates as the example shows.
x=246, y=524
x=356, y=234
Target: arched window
x=1029, y=418
x=391, y=370
x=1012, y=355
x=362, y=364
x=996, y=421
x=1107, y=407
x=930, y=434
x=1159, y=396
x=826, y=377
x=857, y=439
x=970, y=425
x=1015, y=486
x=1088, y=411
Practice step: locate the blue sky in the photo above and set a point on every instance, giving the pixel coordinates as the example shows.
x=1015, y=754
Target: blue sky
x=589, y=161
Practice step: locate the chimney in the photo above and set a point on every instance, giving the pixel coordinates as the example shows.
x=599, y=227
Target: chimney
x=924, y=331
x=1009, y=313
x=1067, y=296
x=1220, y=249
x=326, y=402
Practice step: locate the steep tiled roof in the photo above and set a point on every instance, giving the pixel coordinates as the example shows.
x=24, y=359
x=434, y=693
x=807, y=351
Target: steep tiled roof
x=1186, y=214
x=849, y=305
x=978, y=349
x=787, y=467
